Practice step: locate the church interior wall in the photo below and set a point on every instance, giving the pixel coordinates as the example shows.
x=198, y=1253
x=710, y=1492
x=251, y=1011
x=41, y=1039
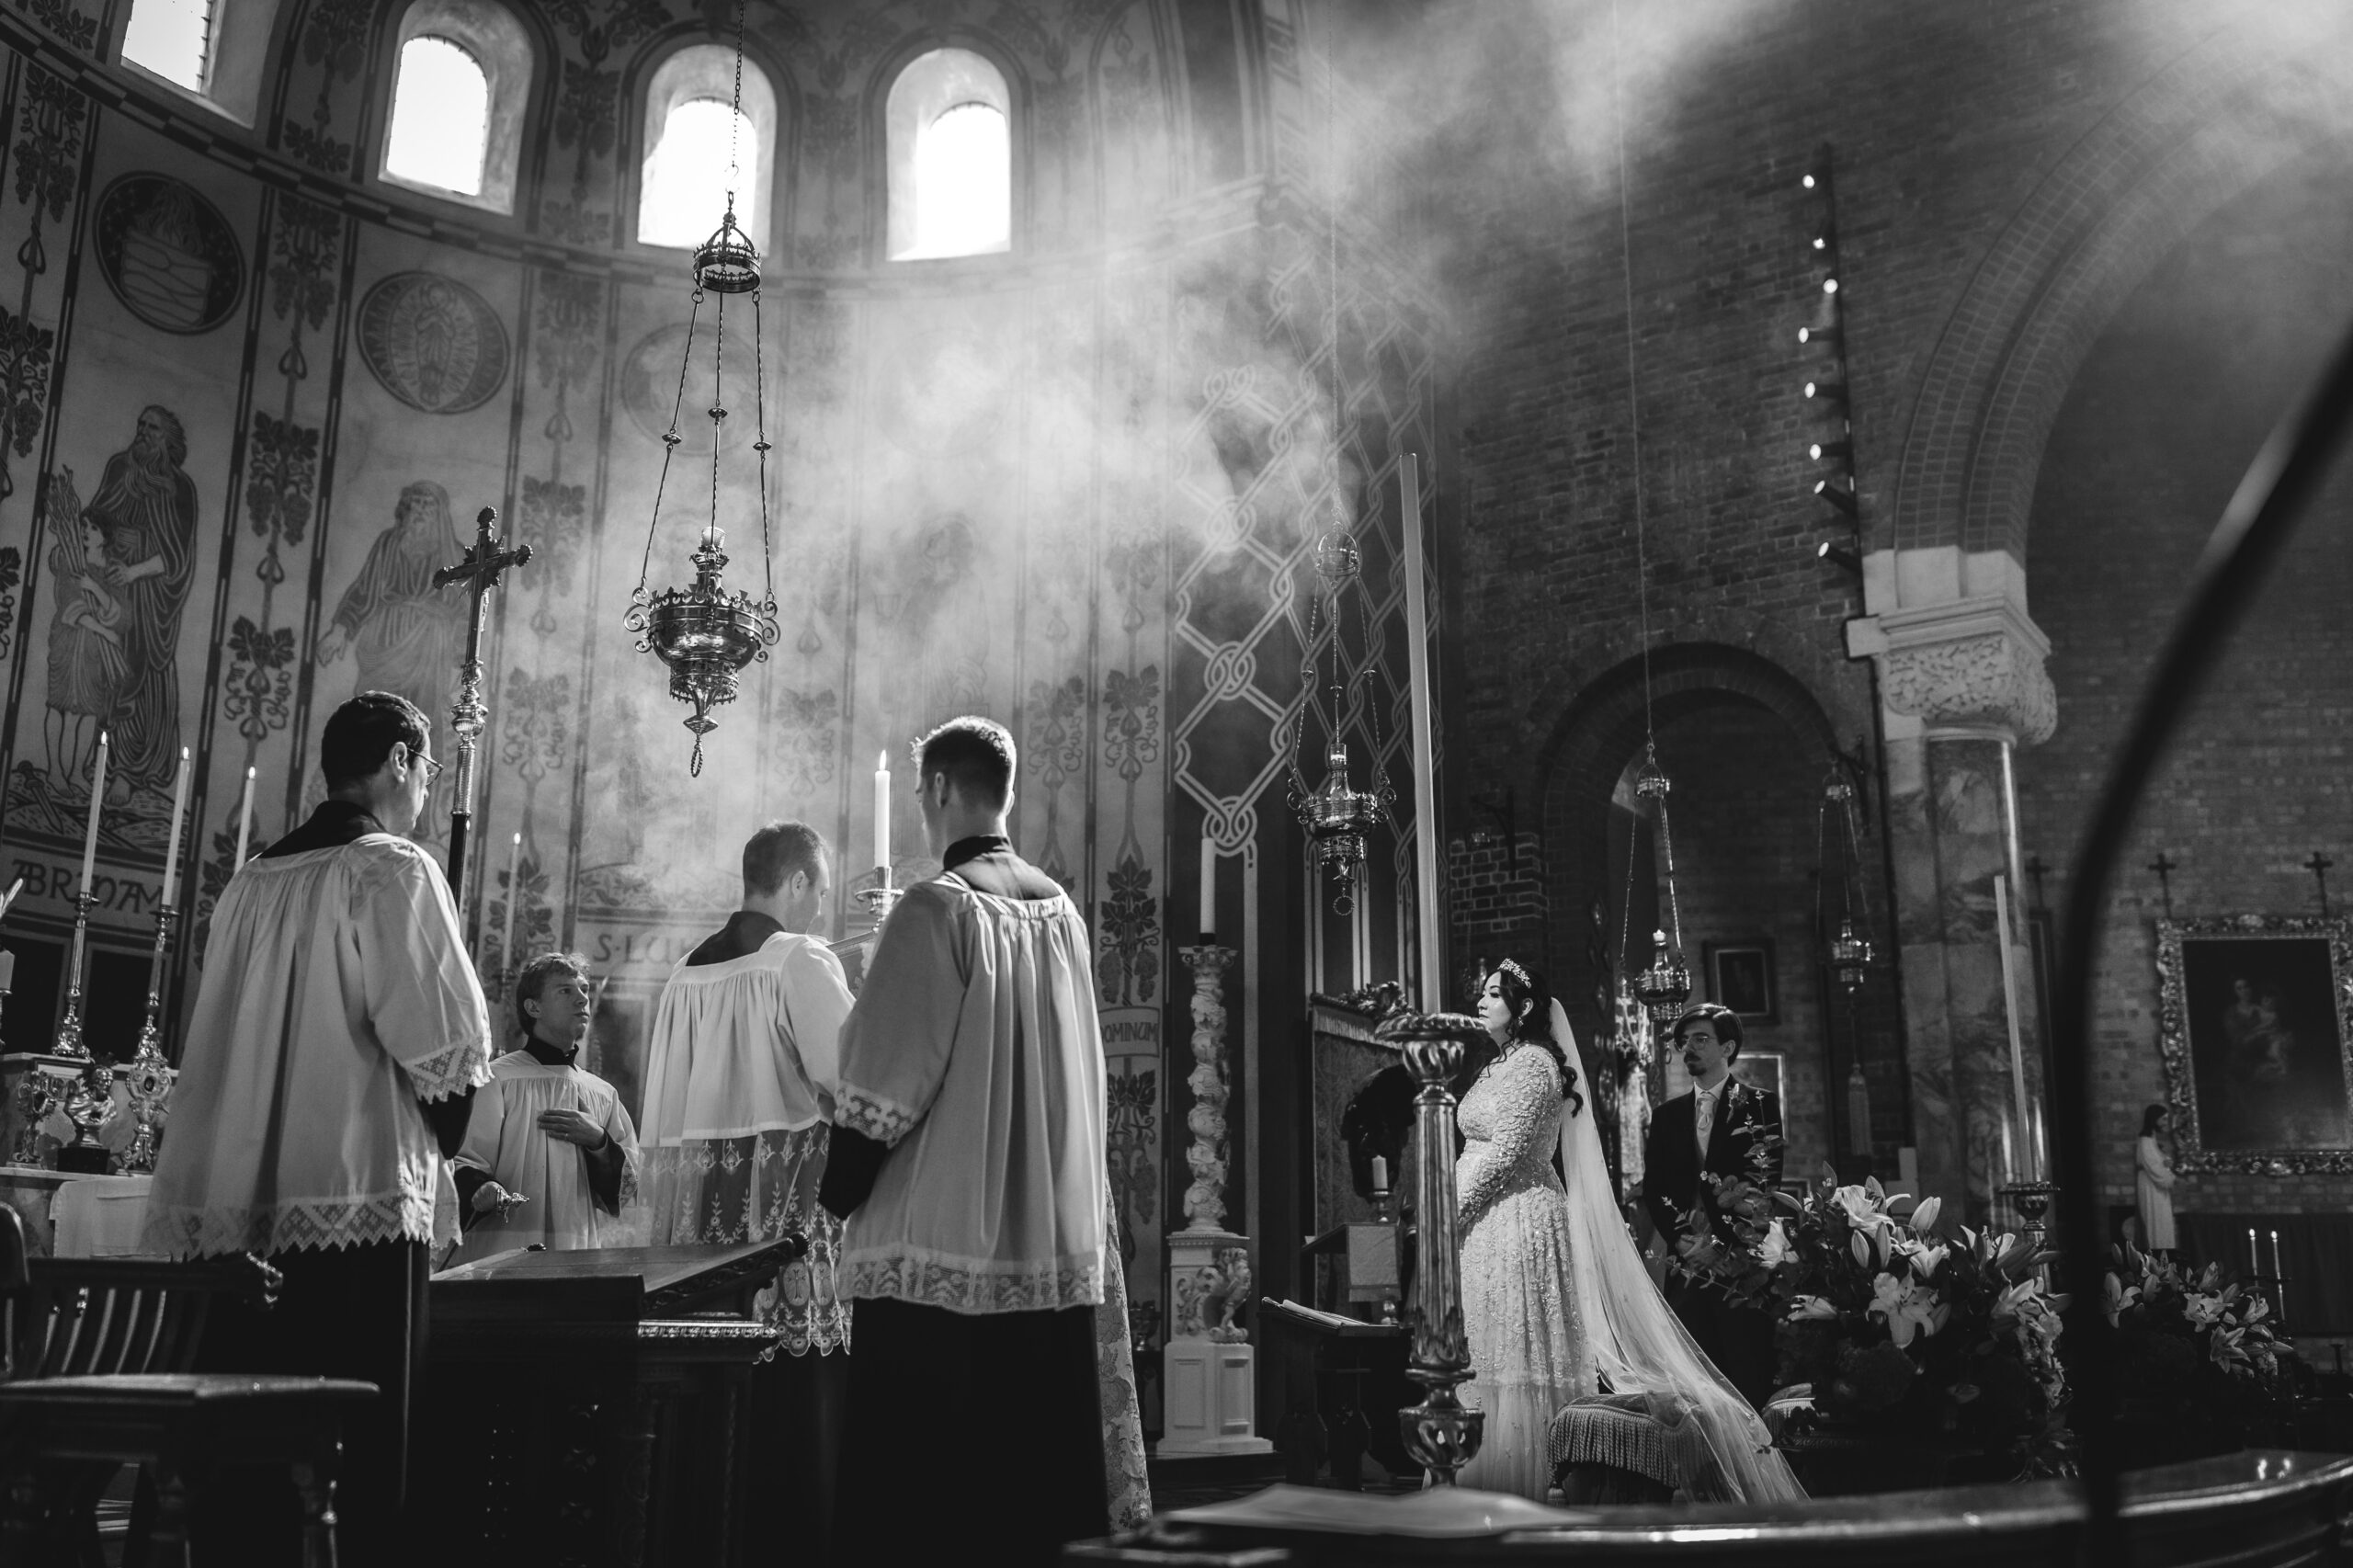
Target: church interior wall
x=995, y=485
x=2179, y=389
x=1972, y=126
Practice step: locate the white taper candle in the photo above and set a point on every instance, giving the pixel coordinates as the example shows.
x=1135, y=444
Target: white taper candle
x=244, y=822
x=171, y=849
x=98, y=804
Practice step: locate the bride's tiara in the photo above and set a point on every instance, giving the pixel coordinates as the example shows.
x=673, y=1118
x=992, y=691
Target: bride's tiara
x=1511, y=967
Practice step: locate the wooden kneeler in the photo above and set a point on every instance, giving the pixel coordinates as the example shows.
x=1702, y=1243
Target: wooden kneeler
x=92, y=1376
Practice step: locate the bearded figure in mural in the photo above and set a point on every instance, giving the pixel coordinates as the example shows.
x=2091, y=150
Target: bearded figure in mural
x=404, y=636
x=122, y=594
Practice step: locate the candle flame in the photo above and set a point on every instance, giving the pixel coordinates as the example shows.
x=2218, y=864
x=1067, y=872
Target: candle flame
x=883, y=762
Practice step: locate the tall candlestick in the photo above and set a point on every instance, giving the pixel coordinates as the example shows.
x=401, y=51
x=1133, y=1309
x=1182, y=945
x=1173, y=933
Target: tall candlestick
x=882, y=813
x=98, y=804
x=2277, y=1272
x=514, y=893
x=172, y=849
x=244, y=822
x=1209, y=892
x=2254, y=1258
x=2011, y=1009
x=1418, y=665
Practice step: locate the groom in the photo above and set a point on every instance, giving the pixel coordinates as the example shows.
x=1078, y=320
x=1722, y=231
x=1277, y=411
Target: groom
x=1721, y=1128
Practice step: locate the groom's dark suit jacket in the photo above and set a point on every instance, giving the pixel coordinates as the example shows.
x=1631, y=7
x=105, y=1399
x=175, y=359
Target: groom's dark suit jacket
x=1739, y=1340
x=1671, y=1162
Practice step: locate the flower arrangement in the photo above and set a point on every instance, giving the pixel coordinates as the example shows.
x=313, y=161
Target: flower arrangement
x=2198, y=1359
x=1896, y=1326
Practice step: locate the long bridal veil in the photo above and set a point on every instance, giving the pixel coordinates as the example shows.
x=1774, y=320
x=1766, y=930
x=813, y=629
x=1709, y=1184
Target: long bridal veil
x=1638, y=1344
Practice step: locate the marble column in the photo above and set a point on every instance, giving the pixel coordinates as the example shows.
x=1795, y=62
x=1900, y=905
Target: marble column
x=1962, y=685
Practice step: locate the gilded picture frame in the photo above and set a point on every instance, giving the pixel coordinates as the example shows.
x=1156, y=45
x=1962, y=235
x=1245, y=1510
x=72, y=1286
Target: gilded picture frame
x=2256, y=1029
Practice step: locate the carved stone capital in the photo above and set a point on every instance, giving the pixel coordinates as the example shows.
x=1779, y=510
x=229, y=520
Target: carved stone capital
x=1972, y=664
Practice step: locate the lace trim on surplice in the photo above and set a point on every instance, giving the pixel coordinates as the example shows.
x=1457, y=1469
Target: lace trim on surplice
x=969, y=1285
x=454, y=1071
x=885, y=1121
x=305, y=1225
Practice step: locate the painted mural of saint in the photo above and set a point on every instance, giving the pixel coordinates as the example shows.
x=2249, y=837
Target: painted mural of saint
x=404, y=636
x=85, y=656
x=135, y=541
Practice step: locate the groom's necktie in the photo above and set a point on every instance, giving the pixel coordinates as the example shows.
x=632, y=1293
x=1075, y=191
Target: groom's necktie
x=1703, y=1118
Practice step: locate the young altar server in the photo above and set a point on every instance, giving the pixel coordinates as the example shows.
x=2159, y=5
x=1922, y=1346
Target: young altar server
x=739, y=1083
x=337, y=1037
x=550, y=1143
x=969, y=1160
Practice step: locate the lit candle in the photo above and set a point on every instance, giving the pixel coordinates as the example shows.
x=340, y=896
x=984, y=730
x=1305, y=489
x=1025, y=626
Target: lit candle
x=1209, y=891
x=179, y=812
x=97, y=803
x=882, y=815
x=2277, y=1272
x=514, y=893
x=2254, y=1258
x=244, y=821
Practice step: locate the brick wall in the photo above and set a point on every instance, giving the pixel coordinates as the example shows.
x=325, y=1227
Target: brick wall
x=1959, y=135
x=1495, y=899
x=2154, y=435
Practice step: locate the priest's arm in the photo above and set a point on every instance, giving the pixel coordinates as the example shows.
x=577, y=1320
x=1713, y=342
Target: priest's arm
x=423, y=1001
x=895, y=1043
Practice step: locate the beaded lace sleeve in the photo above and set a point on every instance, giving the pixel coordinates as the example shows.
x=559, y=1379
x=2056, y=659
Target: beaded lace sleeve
x=1527, y=1089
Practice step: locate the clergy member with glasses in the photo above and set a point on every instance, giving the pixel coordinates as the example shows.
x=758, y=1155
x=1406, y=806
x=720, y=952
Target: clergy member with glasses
x=331, y=1057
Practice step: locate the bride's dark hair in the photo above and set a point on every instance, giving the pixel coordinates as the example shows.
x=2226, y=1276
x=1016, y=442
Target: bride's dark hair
x=1531, y=1020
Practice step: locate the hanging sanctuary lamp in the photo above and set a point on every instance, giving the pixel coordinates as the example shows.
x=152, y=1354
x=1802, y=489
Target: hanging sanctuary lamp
x=1666, y=985
x=1338, y=817
x=704, y=633
x=1849, y=945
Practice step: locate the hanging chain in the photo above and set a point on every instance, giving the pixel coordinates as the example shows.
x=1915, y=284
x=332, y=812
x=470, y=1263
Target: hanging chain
x=718, y=410
x=735, y=117
x=670, y=440
x=760, y=444
x=1634, y=398
x=1673, y=903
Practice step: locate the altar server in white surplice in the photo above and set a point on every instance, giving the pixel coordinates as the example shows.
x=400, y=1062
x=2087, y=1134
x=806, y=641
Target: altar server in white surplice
x=969, y=1157
x=338, y=1039
x=550, y=1145
x=739, y=1085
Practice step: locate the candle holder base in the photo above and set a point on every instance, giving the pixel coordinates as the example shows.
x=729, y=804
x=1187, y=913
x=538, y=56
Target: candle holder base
x=879, y=902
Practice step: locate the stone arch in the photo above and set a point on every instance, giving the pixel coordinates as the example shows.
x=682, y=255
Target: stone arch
x=2192, y=136
x=1599, y=730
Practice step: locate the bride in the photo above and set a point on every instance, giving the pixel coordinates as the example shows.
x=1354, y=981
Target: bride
x=1556, y=1300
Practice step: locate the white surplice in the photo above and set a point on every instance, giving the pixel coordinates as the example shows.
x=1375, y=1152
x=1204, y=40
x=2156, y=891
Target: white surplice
x=336, y=995
x=975, y=1052
x=739, y=1081
x=504, y=1142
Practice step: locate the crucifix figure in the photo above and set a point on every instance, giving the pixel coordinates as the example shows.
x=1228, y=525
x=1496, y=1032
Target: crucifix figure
x=2164, y=870
x=2318, y=866
x=478, y=571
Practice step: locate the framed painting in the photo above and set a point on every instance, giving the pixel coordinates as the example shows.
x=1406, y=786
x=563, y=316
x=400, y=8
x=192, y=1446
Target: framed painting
x=1740, y=976
x=2255, y=1026
x=1761, y=1070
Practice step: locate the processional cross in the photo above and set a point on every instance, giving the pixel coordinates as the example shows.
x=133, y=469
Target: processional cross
x=478, y=569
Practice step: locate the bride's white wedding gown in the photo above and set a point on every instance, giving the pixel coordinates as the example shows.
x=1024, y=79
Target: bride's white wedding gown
x=1556, y=1302
x=1529, y=1349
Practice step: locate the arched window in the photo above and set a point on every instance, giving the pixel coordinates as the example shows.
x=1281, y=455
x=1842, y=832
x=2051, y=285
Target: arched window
x=949, y=132
x=460, y=81
x=691, y=127
x=211, y=49
x=440, y=117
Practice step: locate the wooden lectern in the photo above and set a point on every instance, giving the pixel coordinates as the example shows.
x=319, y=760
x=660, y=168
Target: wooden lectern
x=596, y=1407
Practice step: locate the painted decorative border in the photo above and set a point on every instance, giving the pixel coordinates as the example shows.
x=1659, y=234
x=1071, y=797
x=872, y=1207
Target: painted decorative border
x=2173, y=1037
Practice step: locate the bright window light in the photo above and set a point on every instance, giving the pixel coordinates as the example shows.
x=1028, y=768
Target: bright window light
x=963, y=176
x=687, y=175
x=171, y=37
x=440, y=117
